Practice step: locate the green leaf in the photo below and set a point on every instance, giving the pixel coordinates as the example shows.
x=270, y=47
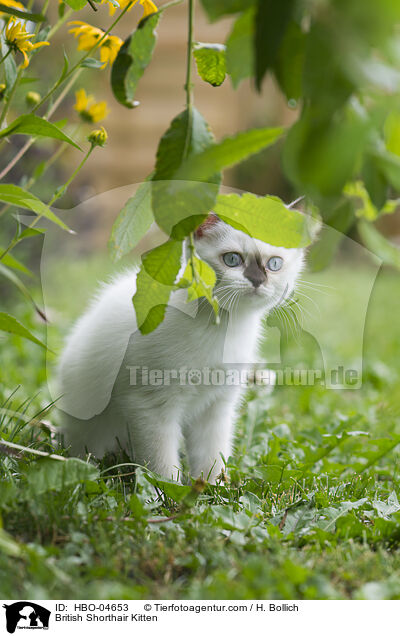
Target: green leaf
x=164, y=262
x=91, y=62
x=45, y=475
x=389, y=164
x=38, y=127
x=312, y=148
x=289, y=64
x=265, y=218
x=271, y=22
x=25, y=15
x=228, y=152
x=11, y=325
x=14, y=195
x=199, y=279
x=76, y=4
x=15, y=280
x=179, y=206
x=215, y=9
x=239, y=48
x=172, y=489
x=132, y=60
x=210, y=61
x=10, y=261
x=378, y=244
x=132, y=222
x=150, y=301
x=392, y=133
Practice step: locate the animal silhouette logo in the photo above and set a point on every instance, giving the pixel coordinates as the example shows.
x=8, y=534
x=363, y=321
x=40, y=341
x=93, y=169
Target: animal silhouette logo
x=26, y=615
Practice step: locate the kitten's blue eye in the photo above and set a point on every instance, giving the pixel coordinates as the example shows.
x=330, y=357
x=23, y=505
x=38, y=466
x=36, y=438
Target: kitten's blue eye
x=232, y=259
x=275, y=263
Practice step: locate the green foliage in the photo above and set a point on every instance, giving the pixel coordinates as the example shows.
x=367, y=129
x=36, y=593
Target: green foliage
x=150, y=301
x=47, y=475
x=132, y=222
x=14, y=195
x=211, y=64
x=132, y=60
x=163, y=262
x=271, y=20
x=228, y=152
x=179, y=206
x=264, y=218
x=11, y=325
x=218, y=8
x=36, y=126
x=239, y=48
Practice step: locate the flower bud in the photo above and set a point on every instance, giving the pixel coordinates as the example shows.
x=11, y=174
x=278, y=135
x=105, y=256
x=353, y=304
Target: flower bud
x=33, y=98
x=98, y=137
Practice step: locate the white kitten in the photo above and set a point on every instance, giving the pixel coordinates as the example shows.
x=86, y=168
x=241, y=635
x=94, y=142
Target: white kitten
x=112, y=402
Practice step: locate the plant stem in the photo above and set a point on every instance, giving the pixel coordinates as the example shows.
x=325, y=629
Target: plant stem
x=60, y=191
x=188, y=84
x=5, y=56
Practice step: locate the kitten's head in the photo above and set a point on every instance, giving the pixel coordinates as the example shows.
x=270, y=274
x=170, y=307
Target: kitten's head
x=249, y=272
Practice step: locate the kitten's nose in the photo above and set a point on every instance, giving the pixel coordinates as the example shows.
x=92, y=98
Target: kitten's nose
x=255, y=274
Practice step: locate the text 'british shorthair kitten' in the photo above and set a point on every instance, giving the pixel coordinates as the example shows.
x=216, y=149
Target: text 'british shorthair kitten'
x=110, y=404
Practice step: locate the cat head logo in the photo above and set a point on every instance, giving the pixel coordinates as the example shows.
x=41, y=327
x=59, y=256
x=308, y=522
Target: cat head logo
x=26, y=615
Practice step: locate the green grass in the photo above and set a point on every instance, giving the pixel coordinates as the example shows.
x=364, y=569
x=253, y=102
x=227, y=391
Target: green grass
x=310, y=511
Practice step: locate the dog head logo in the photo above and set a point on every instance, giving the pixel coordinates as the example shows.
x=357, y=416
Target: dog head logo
x=26, y=615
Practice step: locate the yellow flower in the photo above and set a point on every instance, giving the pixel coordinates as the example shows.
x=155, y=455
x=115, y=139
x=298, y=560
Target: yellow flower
x=88, y=109
x=17, y=38
x=89, y=36
x=148, y=6
x=13, y=4
x=98, y=137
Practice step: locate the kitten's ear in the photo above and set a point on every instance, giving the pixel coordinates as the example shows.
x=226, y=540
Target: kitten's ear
x=208, y=223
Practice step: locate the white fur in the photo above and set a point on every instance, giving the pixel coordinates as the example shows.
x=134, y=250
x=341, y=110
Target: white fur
x=105, y=412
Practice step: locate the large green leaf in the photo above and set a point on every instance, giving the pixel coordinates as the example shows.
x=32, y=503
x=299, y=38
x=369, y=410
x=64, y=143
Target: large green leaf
x=210, y=61
x=14, y=195
x=265, y=218
x=288, y=67
x=179, y=206
x=38, y=127
x=150, y=301
x=215, y=9
x=11, y=325
x=227, y=152
x=132, y=60
x=163, y=262
x=240, y=49
x=378, y=244
x=76, y=4
x=132, y=222
x=47, y=475
x=271, y=21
